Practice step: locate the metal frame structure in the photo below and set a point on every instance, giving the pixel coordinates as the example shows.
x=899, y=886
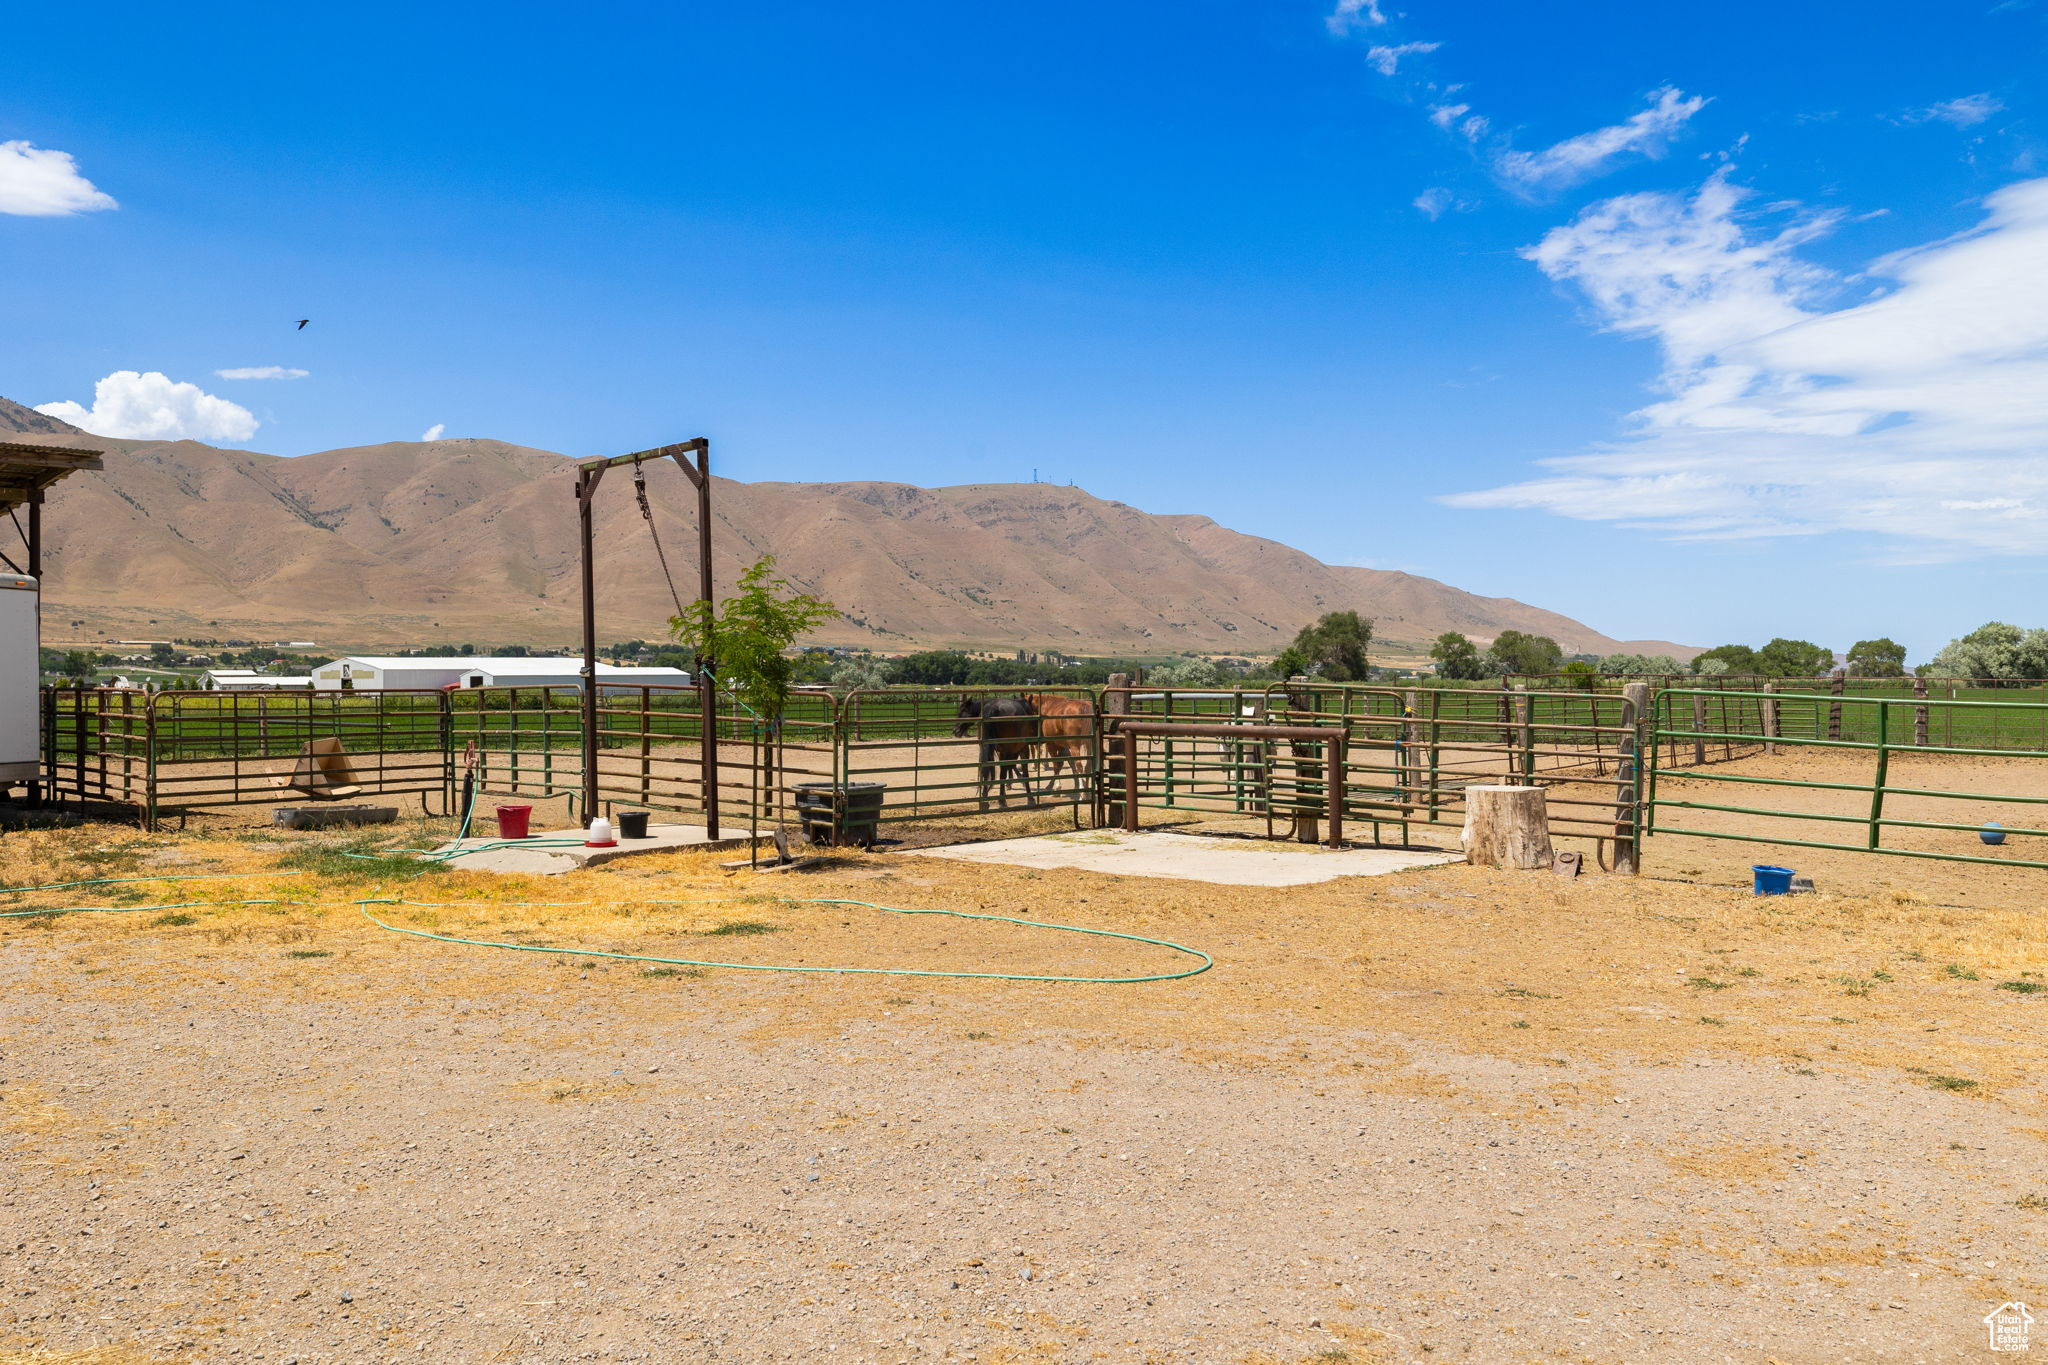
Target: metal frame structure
x=25, y=472
x=1335, y=768
x=588, y=475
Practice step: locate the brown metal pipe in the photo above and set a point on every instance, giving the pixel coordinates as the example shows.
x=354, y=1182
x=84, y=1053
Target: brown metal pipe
x=708, y=749
x=587, y=478
x=1180, y=730
x=1130, y=793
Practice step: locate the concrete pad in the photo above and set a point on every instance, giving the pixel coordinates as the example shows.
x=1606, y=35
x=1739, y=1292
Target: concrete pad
x=1232, y=862
x=529, y=856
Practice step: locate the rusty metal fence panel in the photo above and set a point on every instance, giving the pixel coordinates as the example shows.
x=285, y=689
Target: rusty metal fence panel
x=166, y=752
x=1414, y=751
x=929, y=757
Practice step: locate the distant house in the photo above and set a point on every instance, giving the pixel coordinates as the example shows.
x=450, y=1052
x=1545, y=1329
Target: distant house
x=382, y=673
x=249, y=680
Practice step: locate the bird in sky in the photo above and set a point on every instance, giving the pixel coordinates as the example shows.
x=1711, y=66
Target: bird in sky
x=303, y=322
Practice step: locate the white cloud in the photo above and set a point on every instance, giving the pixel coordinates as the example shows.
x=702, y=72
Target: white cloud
x=1591, y=154
x=1918, y=415
x=1385, y=59
x=154, y=407
x=263, y=372
x=1444, y=115
x=433, y=433
x=1434, y=201
x=1966, y=112
x=39, y=183
x=1353, y=14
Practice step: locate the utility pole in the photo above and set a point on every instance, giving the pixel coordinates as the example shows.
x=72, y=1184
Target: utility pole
x=588, y=475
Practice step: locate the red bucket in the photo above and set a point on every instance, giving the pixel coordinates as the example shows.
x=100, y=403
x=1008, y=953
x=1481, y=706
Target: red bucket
x=512, y=821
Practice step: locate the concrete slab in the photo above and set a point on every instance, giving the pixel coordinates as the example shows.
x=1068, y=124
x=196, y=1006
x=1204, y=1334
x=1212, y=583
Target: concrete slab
x=1232, y=862
x=534, y=857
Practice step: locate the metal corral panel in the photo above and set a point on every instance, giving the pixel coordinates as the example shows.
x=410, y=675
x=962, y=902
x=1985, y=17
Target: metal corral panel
x=20, y=674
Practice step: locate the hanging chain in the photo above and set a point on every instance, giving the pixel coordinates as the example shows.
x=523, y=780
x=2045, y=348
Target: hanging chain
x=647, y=514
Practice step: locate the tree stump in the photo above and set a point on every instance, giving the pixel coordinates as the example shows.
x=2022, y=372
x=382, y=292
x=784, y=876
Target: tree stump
x=1507, y=827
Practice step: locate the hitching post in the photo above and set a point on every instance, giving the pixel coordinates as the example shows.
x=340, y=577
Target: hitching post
x=588, y=475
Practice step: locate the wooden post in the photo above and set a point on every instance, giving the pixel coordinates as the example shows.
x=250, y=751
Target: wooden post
x=1526, y=759
x=1835, y=686
x=1635, y=705
x=1507, y=827
x=1408, y=772
x=1507, y=731
x=1920, y=712
x=1770, y=717
x=1116, y=702
x=1304, y=774
x=1130, y=784
x=1699, y=730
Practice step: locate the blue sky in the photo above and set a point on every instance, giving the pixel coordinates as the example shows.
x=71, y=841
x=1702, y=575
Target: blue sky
x=1697, y=328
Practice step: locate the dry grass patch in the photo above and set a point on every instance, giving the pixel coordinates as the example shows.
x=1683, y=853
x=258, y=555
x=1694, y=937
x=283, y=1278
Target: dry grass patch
x=1736, y=1161
x=1533, y=969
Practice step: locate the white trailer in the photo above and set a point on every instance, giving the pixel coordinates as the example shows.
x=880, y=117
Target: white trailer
x=20, y=679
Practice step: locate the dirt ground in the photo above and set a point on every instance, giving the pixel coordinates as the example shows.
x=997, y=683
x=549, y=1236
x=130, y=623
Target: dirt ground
x=1443, y=1115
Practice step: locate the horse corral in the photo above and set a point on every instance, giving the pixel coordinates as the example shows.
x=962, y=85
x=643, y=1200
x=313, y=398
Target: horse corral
x=1898, y=775
x=1419, y=1110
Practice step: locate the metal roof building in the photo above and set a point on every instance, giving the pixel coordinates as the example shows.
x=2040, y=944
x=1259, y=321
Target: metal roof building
x=372, y=672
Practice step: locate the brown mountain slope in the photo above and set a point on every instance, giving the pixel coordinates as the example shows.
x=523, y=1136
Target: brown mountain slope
x=18, y=419
x=471, y=539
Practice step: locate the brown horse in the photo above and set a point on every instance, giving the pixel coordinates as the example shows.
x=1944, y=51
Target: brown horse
x=1066, y=731
x=1008, y=729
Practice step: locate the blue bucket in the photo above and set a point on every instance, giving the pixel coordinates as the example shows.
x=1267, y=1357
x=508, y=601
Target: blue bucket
x=1992, y=833
x=1772, y=881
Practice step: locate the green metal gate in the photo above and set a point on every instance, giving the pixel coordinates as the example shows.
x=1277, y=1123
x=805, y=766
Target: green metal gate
x=1859, y=797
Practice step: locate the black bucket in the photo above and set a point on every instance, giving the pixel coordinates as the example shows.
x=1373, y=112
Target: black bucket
x=836, y=814
x=632, y=824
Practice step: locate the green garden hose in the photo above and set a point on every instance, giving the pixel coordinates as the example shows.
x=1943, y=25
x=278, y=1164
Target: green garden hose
x=1204, y=961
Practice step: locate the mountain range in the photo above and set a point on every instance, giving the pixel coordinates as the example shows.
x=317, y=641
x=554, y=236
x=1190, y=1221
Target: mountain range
x=472, y=539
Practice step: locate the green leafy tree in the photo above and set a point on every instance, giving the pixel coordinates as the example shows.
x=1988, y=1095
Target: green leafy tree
x=78, y=666
x=1736, y=659
x=1879, y=658
x=860, y=671
x=932, y=668
x=1995, y=651
x=1515, y=651
x=749, y=633
x=1186, y=673
x=1783, y=658
x=1582, y=675
x=1457, y=658
x=1331, y=650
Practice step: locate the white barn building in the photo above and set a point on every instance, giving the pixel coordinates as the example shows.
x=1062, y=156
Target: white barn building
x=249, y=680
x=384, y=673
